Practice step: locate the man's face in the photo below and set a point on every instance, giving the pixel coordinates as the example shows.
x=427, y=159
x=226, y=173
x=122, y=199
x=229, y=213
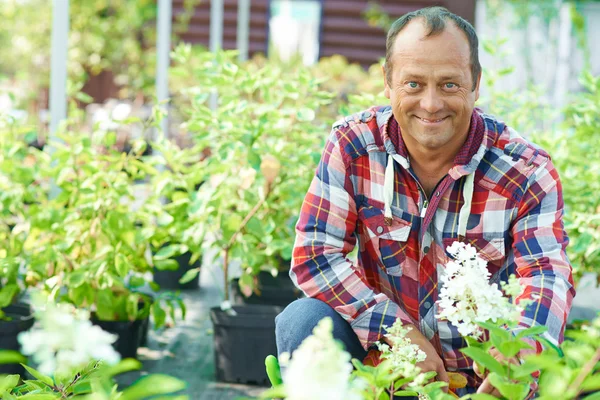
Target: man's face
x=430, y=87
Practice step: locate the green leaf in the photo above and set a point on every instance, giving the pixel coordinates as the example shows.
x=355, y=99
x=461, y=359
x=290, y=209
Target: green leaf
x=255, y=227
x=126, y=365
x=77, y=278
x=121, y=265
x=8, y=396
x=254, y=160
x=82, y=388
x=11, y=357
x=534, y=330
x=160, y=316
x=511, y=391
x=7, y=294
x=170, y=251
x=484, y=359
x=40, y=396
x=591, y=383
x=273, y=370
x=511, y=349
x=277, y=392
x=166, y=265
x=189, y=275
x=9, y=382
x=152, y=385
x=39, y=376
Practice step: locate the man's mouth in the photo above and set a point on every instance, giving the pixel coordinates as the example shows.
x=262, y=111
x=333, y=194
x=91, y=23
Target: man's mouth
x=431, y=121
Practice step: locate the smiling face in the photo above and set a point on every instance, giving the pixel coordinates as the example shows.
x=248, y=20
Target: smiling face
x=430, y=89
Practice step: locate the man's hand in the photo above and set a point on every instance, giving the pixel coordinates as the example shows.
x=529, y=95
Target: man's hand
x=432, y=362
x=486, y=386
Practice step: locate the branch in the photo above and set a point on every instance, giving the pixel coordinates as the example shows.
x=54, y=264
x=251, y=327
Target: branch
x=248, y=217
x=587, y=368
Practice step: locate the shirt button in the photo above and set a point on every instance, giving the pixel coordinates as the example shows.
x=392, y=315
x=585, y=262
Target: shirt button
x=380, y=229
x=427, y=305
x=425, y=249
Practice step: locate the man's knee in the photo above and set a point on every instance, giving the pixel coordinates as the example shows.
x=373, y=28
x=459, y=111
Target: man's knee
x=297, y=322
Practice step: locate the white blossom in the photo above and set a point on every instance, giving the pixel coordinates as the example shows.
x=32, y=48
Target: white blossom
x=64, y=341
x=402, y=351
x=319, y=368
x=467, y=297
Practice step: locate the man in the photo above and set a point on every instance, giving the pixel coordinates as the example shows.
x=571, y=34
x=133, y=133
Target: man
x=406, y=181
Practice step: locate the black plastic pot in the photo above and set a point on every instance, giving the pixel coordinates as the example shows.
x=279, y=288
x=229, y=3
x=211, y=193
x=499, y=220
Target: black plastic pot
x=242, y=342
x=21, y=319
x=277, y=291
x=170, y=279
x=129, y=333
x=144, y=332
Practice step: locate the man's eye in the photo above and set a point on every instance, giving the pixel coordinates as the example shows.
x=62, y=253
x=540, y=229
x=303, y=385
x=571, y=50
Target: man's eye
x=413, y=85
x=450, y=85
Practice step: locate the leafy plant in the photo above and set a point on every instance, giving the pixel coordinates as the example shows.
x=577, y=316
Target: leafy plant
x=96, y=381
x=261, y=143
x=20, y=171
x=84, y=240
x=579, y=175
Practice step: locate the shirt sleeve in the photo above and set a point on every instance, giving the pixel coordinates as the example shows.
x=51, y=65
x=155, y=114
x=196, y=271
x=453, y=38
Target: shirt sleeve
x=325, y=234
x=542, y=265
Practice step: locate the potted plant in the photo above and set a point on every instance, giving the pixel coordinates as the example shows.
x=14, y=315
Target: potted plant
x=262, y=143
x=177, y=244
x=84, y=237
x=20, y=168
x=73, y=358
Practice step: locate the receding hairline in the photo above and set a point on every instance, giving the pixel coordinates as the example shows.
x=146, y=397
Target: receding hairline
x=435, y=20
x=431, y=32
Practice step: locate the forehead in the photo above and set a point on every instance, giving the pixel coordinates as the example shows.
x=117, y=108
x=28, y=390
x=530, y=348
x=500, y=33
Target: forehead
x=448, y=50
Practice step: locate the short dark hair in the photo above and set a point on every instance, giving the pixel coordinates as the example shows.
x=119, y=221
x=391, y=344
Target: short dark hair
x=435, y=20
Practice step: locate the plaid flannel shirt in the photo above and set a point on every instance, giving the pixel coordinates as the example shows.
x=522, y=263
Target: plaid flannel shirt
x=515, y=223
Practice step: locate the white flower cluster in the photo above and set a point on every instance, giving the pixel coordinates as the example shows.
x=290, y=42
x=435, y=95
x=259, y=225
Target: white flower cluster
x=402, y=352
x=319, y=368
x=64, y=341
x=467, y=297
x=403, y=355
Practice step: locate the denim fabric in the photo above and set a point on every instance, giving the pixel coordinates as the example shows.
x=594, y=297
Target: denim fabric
x=298, y=320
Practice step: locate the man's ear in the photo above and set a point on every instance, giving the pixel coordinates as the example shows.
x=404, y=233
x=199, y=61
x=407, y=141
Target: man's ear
x=386, y=90
x=477, y=87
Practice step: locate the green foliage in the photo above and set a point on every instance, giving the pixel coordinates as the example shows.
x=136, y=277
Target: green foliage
x=95, y=381
x=261, y=145
x=73, y=224
x=579, y=175
x=20, y=179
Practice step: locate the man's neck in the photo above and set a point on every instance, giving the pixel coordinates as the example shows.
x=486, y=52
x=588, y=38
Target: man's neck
x=431, y=166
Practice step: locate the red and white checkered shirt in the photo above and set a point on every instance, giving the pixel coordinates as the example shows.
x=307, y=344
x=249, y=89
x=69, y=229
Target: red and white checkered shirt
x=515, y=223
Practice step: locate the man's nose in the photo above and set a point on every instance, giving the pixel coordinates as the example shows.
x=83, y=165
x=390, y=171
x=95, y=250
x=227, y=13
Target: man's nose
x=432, y=102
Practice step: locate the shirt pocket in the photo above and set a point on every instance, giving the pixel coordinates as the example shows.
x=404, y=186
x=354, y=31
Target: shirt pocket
x=389, y=242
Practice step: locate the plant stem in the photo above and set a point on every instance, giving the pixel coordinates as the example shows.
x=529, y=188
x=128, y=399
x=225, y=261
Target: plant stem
x=587, y=368
x=226, y=272
x=245, y=221
x=251, y=214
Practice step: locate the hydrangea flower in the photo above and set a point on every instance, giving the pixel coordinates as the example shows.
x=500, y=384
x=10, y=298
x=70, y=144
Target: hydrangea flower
x=467, y=297
x=65, y=341
x=402, y=351
x=319, y=368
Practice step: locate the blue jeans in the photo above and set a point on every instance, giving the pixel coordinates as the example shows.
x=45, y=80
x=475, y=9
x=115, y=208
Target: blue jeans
x=298, y=320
